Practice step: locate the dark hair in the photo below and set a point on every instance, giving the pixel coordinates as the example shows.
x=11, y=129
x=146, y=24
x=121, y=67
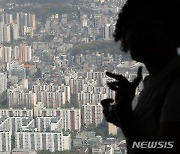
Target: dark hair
x=166, y=10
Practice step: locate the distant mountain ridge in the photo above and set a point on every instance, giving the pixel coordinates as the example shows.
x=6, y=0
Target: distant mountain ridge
x=42, y=8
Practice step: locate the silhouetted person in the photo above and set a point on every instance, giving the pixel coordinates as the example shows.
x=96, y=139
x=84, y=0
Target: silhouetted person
x=150, y=31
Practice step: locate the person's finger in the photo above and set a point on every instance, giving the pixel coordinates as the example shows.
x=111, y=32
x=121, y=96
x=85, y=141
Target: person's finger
x=117, y=86
x=106, y=102
x=116, y=76
x=111, y=117
x=138, y=79
x=118, y=98
x=105, y=112
x=108, y=114
x=113, y=86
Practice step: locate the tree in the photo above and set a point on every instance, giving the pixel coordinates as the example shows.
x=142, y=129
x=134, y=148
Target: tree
x=73, y=134
x=100, y=46
x=46, y=57
x=100, y=132
x=102, y=129
x=91, y=127
x=44, y=152
x=4, y=100
x=74, y=101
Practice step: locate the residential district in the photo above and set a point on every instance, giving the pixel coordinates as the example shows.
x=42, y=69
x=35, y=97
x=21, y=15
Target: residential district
x=52, y=76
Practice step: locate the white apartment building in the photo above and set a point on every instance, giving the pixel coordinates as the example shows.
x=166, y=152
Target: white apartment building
x=16, y=113
x=3, y=81
x=5, y=142
x=7, y=54
x=15, y=31
x=13, y=124
x=43, y=141
x=52, y=99
x=4, y=124
x=64, y=20
x=63, y=90
x=16, y=69
x=87, y=87
x=1, y=32
x=7, y=33
x=71, y=118
x=108, y=31
x=32, y=21
x=49, y=124
x=8, y=18
x=21, y=99
x=91, y=114
x=76, y=84
x=97, y=76
x=25, y=53
x=25, y=20
x=16, y=52
x=91, y=97
x=8, y=30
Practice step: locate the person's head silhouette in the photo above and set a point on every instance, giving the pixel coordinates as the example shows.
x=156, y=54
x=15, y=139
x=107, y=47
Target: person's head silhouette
x=149, y=30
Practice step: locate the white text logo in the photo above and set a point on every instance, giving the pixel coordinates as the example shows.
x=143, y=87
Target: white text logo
x=153, y=144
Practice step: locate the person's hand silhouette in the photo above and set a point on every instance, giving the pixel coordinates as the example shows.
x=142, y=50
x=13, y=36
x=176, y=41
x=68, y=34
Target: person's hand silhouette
x=117, y=112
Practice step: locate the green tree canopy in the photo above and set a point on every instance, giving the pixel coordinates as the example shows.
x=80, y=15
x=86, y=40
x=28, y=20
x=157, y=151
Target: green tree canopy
x=4, y=100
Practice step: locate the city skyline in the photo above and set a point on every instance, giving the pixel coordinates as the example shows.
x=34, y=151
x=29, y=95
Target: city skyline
x=50, y=94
